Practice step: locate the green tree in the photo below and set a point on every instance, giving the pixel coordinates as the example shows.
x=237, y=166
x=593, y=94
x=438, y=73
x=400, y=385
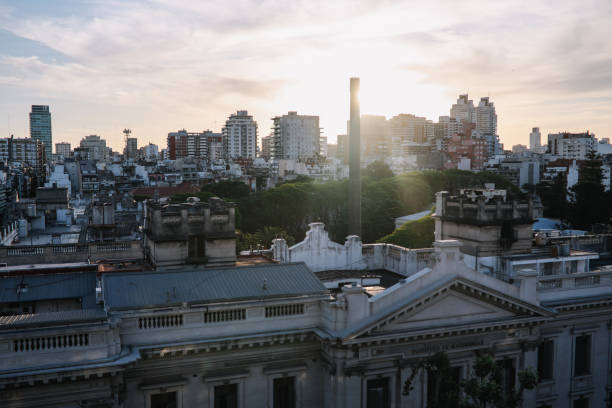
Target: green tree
x=377, y=170
x=590, y=203
x=228, y=189
x=485, y=387
x=445, y=387
x=554, y=197
x=262, y=239
x=413, y=234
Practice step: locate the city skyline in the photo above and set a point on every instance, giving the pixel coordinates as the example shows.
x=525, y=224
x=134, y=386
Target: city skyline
x=102, y=67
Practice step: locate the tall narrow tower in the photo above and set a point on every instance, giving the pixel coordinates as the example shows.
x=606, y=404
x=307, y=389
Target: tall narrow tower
x=354, y=227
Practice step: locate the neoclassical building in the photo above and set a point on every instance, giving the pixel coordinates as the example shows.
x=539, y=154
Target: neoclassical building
x=273, y=335
x=287, y=331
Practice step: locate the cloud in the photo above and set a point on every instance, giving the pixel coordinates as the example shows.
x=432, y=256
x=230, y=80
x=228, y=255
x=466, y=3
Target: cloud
x=191, y=63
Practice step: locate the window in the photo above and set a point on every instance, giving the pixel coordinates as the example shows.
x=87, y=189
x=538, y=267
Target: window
x=197, y=247
x=284, y=392
x=378, y=393
x=508, y=375
x=546, y=356
x=164, y=400
x=581, y=403
x=582, y=355
x=226, y=396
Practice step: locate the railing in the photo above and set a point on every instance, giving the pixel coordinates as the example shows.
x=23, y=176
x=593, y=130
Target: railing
x=224, y=315
x=576, y=280
x=284, y=310
x=57, y=253
x=50, y=342
x=160, y=322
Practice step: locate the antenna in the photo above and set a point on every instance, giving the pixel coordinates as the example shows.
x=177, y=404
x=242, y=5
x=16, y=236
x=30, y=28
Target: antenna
x=126, y=133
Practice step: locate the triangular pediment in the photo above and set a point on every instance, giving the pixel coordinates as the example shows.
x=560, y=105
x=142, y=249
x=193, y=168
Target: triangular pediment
x=451, y=308
x=456, y=305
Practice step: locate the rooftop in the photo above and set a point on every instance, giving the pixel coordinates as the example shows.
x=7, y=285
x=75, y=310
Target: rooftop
x=177, y=287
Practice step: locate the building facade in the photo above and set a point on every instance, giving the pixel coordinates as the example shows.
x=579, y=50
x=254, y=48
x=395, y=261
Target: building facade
x=567, y=145
x=295, y=137
x=62, y=149
x=93, y=147
x=535, y=139
x=40, y=127
x=240, y=136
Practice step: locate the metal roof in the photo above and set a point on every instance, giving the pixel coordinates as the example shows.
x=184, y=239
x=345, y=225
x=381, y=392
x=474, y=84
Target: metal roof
x=150, y=289
x=29, y=288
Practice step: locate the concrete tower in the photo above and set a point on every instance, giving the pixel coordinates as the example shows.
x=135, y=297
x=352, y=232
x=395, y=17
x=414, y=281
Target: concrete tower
x=354, y=227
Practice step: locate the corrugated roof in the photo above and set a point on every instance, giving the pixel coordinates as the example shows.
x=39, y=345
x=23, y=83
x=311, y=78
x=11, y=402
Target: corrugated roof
x=150, y=289
x=45, y=319
x=46, y=287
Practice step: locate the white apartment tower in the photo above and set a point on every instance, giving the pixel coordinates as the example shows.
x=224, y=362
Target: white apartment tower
x=535, y=138
x=486, y=118
x=240, y=136
x=295, y=137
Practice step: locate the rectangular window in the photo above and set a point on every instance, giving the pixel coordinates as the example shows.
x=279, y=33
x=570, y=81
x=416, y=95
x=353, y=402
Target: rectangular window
x=196, y=247
x=378, y=393
x=226, y=396
x=284, y=392
x=546, y=356
x=508, y=375
x=164, y=400
x=582, y=355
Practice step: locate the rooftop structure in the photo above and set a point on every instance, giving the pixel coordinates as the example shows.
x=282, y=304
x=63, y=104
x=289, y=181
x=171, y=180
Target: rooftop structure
x=190, y=232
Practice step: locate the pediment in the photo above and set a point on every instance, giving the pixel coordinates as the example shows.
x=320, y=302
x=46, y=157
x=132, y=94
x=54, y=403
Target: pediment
x=457, y=305
x=452, y=308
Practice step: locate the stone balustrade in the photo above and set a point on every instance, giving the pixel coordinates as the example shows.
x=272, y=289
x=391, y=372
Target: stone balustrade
x=67, y=253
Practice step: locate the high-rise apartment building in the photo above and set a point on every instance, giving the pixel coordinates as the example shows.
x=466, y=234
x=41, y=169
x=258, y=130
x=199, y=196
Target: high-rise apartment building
x=29, y=151
x=240, y=136
x=342, y=149
x=296, y=137
x=486, y=118
x=535, y=138
x=40, y=127
x=202, y=145
x=406, y=131
x=463, y=110
x=266, y=146
x=131, y=148
x=93, y=147
x=375, y=137
x=62, y=149
x=571, y=145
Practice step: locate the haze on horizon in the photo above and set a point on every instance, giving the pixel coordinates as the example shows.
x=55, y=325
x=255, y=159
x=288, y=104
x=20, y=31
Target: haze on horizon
x=161, y=65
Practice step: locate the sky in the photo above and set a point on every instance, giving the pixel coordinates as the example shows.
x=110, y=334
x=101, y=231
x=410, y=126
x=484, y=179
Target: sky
x=162, y=65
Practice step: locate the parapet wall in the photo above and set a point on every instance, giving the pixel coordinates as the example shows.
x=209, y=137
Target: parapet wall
x=319, y=253
x=67, y=253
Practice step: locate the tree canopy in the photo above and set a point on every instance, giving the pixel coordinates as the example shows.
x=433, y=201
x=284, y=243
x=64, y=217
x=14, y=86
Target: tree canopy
x=292, y=206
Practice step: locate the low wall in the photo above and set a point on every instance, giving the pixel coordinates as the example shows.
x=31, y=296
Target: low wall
x=404, y=261
x=319, y=253
x=65, y=253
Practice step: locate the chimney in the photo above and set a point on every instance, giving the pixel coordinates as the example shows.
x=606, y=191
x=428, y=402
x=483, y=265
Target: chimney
x=354, y=227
